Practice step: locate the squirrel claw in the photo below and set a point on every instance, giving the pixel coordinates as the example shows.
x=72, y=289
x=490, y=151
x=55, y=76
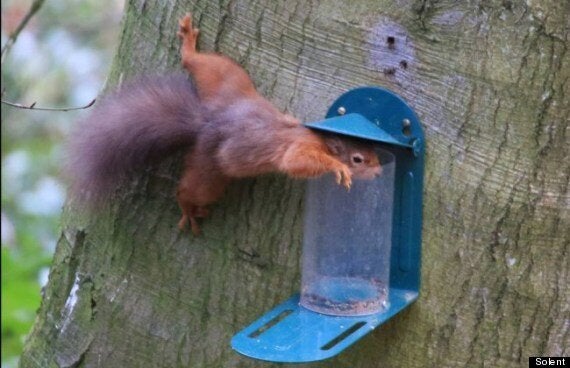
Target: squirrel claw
x=188, y=35
x=191, y=215
x=186, y=23
x=195, y=227
x=344, y=178
x=182, y=223
x=185, y=27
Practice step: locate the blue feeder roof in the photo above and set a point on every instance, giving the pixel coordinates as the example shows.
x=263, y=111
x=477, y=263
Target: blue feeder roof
x=375, y=114
x=356, y=125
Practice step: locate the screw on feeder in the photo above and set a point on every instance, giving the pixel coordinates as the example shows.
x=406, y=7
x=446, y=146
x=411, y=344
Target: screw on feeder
x=416, y=147
x=341, y=110
x=406, y=127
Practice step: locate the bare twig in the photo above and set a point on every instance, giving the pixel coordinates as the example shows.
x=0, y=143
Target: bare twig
x=33, y=106
x=36, y=5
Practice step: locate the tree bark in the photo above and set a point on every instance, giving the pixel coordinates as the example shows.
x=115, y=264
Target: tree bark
x=490, y=81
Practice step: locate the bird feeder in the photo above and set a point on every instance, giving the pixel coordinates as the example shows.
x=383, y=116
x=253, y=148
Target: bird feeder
x=361, y=248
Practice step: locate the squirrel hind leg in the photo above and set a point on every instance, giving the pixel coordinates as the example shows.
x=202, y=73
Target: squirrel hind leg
x=189, y=36
x=198, y=188
x=190, y=214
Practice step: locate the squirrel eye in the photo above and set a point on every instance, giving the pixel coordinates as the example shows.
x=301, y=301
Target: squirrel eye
x=357, y=159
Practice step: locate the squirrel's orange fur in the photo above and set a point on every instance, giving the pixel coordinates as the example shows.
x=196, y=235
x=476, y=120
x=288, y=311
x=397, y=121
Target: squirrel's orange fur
x=289, y=147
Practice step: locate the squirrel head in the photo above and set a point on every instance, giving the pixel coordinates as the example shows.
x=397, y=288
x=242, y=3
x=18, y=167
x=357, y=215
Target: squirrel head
x=358, y=155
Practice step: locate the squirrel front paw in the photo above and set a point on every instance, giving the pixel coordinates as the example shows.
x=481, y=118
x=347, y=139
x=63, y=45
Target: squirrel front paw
x=344, y=177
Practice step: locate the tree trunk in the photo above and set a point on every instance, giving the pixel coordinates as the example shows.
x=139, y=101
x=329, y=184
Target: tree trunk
x=490, y=81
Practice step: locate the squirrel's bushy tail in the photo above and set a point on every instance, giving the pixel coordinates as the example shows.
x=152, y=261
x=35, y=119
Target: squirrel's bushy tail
x=144, y=121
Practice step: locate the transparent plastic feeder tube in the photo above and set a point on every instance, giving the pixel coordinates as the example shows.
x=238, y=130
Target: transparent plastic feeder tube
x=347, y=241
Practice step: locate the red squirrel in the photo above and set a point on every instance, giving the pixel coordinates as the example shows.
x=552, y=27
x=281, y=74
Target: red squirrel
x=227, y=128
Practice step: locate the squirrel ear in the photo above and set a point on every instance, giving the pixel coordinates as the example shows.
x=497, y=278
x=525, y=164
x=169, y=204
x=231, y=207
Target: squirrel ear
x=335, y=145
x=290, y=120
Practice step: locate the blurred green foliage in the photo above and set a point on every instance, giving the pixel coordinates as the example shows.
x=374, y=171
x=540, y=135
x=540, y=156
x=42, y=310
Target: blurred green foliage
x=20, y=295
x=59, y=60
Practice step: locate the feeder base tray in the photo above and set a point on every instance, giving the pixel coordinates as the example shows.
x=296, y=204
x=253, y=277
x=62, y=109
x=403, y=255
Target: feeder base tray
x=293, y=334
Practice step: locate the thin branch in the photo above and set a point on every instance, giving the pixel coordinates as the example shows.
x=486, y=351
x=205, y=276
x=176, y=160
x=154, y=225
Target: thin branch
x=36, y=5
x=33, y=106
